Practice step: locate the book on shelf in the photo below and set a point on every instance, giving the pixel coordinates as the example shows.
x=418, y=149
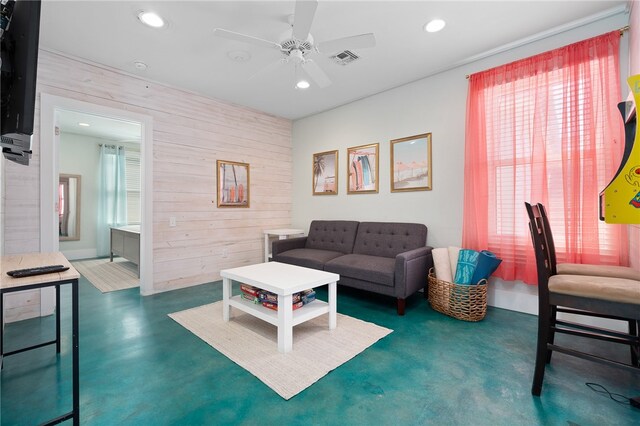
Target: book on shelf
x=301, y=296
x=250, y=298
x=249, y=289
x=274, y=306
x=308, y=296
x=267, y=296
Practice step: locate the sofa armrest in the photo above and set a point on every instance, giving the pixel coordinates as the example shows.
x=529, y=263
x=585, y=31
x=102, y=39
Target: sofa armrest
x=280, y=246
x=411, y=271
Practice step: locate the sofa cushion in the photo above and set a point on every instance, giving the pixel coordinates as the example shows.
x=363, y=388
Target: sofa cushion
x=332, y=235
x=388, y=239
x=379, y=270
x=309, y=258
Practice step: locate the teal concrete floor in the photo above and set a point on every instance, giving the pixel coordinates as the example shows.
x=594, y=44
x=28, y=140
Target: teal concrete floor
x=139, y=367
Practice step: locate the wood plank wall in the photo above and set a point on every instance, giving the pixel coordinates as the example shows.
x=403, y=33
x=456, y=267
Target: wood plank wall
x=21, y=230
x=190, y=132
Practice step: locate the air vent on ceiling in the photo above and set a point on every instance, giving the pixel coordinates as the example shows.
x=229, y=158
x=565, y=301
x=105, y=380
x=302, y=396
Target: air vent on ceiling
x=344, y=58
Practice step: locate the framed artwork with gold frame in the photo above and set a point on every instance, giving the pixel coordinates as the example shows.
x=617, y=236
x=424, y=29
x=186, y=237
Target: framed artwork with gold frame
x=362, y=169
x=411, y=163
x=325, y=173
x=233, y=183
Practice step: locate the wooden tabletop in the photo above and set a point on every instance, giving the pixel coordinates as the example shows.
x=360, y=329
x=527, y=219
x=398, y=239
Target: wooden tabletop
x=31, y=260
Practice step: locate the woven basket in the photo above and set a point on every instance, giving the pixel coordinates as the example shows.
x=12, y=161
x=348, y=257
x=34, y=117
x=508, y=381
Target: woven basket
x=463, y=302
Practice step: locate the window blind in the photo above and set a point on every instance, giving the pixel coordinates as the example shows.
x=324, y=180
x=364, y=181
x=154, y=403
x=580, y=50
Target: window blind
x=132, y=182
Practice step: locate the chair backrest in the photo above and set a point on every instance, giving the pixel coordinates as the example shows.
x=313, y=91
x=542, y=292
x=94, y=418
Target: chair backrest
x=551, y=247
x=540, y=246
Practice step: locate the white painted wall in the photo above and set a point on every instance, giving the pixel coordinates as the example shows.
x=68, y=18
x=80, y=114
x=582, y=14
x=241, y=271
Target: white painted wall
x=435, y=104
x=79, y=155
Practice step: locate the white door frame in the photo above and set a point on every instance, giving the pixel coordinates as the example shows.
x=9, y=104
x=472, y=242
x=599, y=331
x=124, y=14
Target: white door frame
x=49, y=152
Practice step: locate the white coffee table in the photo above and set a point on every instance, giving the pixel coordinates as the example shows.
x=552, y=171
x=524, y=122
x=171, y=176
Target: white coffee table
x=284, y=280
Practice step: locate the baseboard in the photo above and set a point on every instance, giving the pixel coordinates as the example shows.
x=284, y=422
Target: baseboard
x=513, y=295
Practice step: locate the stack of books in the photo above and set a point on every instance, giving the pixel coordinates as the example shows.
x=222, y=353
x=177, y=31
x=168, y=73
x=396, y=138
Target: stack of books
x=250, y=293
x=270, y=300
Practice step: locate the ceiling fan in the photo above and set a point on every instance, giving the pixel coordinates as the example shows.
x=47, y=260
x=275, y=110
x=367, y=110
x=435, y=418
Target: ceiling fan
x=297, y=44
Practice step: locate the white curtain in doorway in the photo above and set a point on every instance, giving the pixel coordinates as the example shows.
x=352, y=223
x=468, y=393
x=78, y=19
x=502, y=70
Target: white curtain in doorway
x=112, y=195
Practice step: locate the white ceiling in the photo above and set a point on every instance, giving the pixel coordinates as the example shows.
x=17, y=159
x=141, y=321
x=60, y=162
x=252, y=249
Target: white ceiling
x=99, y=127
x=187, y=55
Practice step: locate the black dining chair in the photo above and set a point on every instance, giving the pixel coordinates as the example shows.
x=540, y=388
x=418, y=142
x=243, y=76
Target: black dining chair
x=584, y=295
x=582, y=268
x=590, y=269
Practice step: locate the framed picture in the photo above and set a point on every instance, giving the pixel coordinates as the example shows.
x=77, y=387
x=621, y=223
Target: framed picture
x=362, y=167
x=233, y=184
x=325, y=173
x=411, y=163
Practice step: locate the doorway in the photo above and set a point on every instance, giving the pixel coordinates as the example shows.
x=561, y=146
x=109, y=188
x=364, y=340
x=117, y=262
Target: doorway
x=57, y=113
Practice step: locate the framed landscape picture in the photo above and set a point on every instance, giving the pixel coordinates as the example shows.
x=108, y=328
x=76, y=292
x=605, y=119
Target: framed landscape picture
x=325, y=173
x=411, y=163
x=362, y=169
x=233, y=184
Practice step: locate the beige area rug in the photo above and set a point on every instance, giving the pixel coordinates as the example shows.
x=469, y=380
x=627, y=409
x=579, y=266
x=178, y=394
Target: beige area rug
x=253, y=345
x=109, y=276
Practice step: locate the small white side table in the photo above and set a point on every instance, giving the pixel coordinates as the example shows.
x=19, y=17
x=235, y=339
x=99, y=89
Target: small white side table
x=282, y=234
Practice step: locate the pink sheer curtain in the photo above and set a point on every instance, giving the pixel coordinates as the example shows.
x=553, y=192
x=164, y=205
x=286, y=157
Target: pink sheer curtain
x=545, y=129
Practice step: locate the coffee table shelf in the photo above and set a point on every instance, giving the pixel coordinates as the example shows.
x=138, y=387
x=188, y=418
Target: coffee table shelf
x=300, y=315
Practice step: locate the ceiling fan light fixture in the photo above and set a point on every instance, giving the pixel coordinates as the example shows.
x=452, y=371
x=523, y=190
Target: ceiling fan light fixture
x=151, y=19
x=434, y=25
x=302, y=84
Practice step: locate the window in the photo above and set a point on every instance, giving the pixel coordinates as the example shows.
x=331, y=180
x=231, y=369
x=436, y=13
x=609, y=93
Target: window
x=132, y=183
x=545, y=129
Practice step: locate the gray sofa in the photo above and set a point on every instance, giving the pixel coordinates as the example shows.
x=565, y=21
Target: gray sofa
x=388, y=258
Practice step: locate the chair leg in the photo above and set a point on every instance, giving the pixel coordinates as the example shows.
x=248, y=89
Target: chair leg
x=400, y=305
x=635, y=349
x=542, y=351
x=552, y=333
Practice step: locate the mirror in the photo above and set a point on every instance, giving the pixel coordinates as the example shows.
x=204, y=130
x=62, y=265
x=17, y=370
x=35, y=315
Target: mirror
x=69, y=207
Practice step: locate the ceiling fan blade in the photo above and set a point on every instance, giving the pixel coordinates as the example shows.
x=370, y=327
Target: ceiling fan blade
x=316, y=73
x=361, y=41
x=303, y=18
x=269, y=68
x=245, y=38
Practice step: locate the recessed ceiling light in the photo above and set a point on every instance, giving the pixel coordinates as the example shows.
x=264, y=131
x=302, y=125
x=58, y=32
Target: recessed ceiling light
x=434, y=26
x=151, y=19
x=302, y=84
x=84, y=124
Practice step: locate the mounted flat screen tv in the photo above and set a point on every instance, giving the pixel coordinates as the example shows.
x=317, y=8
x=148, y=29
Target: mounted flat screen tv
x=20, y=36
